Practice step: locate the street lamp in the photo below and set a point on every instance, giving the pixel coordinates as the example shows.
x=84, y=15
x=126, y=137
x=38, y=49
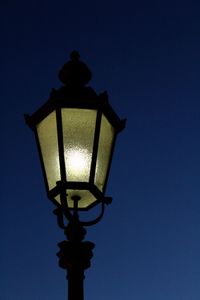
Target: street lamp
x=75, y=132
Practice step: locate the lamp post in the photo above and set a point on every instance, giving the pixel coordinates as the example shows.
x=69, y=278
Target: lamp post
x=75, y=132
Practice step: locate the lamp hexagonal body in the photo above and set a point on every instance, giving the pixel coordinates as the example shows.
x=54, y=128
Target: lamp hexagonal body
x=75, y=132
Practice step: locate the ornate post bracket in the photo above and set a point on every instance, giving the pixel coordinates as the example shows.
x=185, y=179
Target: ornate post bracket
x=75, y=250
x=74, y=256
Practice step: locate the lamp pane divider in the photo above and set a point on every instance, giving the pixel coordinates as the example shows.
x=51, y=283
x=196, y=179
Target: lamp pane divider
x=61, y=145
x=95, y=146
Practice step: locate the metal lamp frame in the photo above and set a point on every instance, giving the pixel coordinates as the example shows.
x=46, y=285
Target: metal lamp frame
x=78, y=98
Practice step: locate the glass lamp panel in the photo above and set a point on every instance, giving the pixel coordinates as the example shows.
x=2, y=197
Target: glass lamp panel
x=104, y=151
x=47, y=134
x=78, y=137
x=87, y=198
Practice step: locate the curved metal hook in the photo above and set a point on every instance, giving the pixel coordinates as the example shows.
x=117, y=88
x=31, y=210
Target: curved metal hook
x=95, y=221
x=65, y=211
x=59, y=214
x=63, y=199
x=105, y=200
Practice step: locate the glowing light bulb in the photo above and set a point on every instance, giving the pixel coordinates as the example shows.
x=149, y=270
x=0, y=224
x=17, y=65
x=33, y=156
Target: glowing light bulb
x=78, y=162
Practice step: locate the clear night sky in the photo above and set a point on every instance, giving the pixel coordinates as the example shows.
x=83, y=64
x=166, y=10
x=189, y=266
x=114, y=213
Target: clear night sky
x=146, y=54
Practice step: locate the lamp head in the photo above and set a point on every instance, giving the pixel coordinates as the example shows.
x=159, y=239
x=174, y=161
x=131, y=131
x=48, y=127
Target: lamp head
x=75, y=131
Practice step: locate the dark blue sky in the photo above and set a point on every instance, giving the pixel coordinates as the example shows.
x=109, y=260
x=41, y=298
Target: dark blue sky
x=147, y=55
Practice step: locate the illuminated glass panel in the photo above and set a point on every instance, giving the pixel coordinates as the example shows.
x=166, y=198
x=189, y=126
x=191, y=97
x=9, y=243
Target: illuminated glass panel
x=86, y=198
x=78, y=137
x=104, y=151
x=47, y=134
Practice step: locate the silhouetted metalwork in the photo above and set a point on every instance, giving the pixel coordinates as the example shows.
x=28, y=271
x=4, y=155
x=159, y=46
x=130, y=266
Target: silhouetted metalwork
x=70, y=192
x=74, y=256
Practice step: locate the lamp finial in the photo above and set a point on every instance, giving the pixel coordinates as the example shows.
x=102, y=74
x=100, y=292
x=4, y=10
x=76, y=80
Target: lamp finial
x=75, y=72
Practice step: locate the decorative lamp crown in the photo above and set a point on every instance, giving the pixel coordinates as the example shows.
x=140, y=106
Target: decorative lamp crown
x=75, y=72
